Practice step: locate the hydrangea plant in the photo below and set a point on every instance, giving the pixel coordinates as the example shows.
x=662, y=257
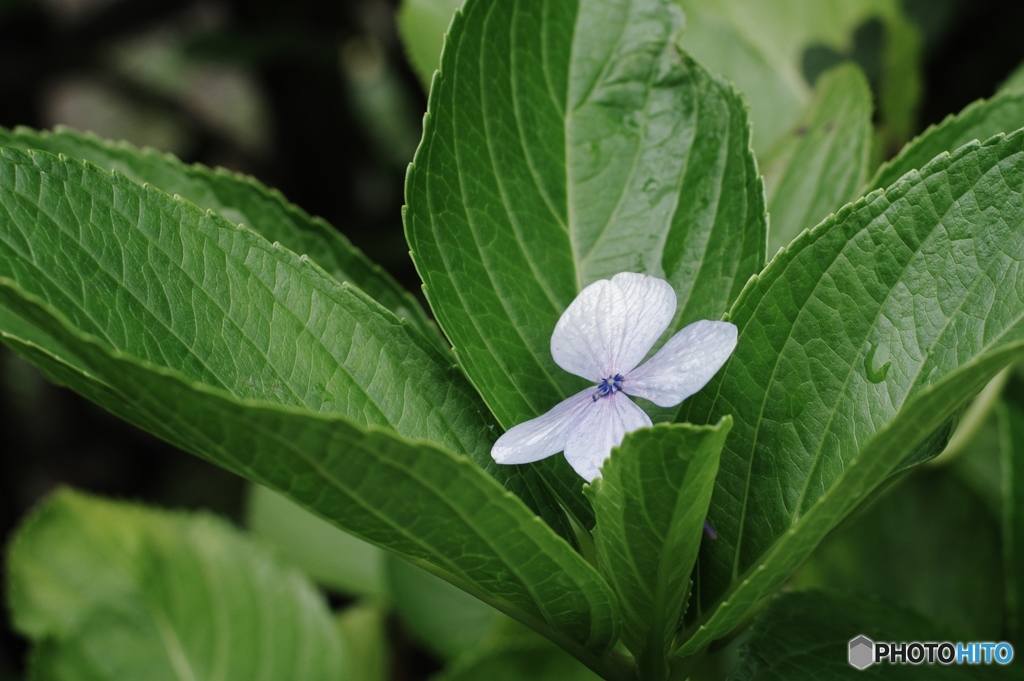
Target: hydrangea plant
x=570, y=150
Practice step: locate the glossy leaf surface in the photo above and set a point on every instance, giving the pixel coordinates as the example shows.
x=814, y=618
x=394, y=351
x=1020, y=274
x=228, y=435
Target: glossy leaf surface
x=240, y=199
x=651, y=502
x=564, y=143
x=254, y=358
x=856, y=348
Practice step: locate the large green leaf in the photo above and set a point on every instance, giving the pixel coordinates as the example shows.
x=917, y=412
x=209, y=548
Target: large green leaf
x=159, y=280
x=856, y=348
x=823, y=162
x=433, y=508
x=276, y=371
x=422, y=25
x=912, y=548
x=240, y=199
x=651, y=502
x=1015, y=81
x=116, y=591
x=806, y=635
x=566, y=142
x=1004, y=113
x=760, y=46
x=176, y=286
x=1011, y=427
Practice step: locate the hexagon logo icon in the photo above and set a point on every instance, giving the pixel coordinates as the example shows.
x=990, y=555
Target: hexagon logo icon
x=862, y=652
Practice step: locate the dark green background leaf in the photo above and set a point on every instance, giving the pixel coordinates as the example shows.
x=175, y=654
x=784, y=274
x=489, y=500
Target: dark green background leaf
x=448, y=621
x=116, y=591
x=1011, y=427
x=823, y=161
x=914, y=547
x=422, y=25
x=762, y=47
x=806, y=635
x=521, y=663
x=328, y=555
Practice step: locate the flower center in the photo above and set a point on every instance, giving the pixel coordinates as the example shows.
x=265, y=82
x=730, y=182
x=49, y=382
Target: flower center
x=607, y=386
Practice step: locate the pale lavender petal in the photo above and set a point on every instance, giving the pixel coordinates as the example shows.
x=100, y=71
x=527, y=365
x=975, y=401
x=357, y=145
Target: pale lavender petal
x=684, y=364
x=545, y=435
x=612, y=324
x=600, y=429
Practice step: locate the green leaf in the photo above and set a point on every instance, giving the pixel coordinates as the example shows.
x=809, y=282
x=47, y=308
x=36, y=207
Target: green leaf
x=331, y=557
x=1015, y=82
x=240, y=199
x=761, y=48
x=450, y=622
x=422, y=25
x=308, y=405
x=433, y=508
x=1011, y=427
x=651, y=502
x=857, y=347
x=364, y=627
x=115, y=591
x=823, y=162
x=912, y=548
x=175, y=286
x=564, y=143
x=806, y=635
x=981, y=120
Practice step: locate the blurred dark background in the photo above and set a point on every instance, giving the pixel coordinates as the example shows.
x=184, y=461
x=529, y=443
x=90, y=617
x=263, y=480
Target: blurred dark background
x=313, y=98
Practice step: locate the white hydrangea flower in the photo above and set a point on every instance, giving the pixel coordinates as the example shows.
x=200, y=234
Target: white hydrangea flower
x=602, y=336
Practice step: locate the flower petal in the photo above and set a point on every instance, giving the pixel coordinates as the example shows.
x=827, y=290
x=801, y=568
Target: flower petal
x=612, y=324
x=545, y=435
x=684, y=364
x=600, y=429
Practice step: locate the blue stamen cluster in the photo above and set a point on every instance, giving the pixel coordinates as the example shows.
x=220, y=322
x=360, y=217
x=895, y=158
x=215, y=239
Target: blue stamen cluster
x=608, y=386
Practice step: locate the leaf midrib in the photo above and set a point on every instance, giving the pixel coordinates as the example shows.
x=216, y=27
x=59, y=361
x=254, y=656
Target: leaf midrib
x=45, y=275
x=498, y=177
x=641, y=137
x=522, y=142
x=473, y=319
x=771, y=552
x=294, y=266
x=288, y=446
x=912, y=259
x=723, y=147
x=852, y=368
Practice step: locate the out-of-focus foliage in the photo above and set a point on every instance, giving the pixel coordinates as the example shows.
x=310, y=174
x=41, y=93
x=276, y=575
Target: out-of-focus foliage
x=563, y=142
